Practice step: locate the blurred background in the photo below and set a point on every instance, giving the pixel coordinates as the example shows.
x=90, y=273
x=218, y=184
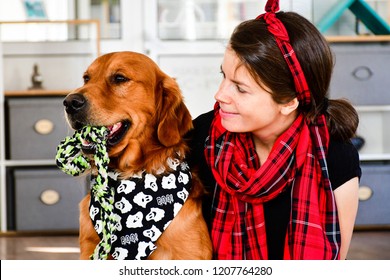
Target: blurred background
x=45, y=46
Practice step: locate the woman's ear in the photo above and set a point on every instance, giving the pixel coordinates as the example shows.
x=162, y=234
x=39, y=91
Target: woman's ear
x=289, y=107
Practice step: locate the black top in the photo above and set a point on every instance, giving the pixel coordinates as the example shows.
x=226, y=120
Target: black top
x=343, y=165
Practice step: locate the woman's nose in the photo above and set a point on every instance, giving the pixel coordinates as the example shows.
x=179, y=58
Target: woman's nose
x=221, y=94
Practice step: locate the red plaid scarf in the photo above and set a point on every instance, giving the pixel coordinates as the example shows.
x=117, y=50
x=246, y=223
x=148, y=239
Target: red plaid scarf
x=297, y=160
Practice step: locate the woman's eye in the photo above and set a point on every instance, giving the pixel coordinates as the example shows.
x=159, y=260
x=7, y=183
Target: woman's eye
x=118, y=79
x=223, y=74
x=239, y=89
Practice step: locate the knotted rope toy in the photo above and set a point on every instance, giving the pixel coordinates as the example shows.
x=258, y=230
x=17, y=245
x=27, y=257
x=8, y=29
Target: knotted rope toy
x=71, y=160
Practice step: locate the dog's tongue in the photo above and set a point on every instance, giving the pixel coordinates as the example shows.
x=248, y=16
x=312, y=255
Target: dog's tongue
x=84, y=142
x=114, y=128
x=87, y=144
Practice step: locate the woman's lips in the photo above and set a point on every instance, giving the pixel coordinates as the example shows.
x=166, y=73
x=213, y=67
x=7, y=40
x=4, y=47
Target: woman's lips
x=226, y=114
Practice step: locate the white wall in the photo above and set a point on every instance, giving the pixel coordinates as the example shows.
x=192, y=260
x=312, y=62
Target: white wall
x=61, y=72
x=63, y=69
x=62, y=64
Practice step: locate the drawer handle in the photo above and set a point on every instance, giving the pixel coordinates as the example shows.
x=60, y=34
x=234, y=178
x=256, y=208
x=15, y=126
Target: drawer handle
x=44, y=126
x=362, y=73
x=365, y=193
x=50, y=197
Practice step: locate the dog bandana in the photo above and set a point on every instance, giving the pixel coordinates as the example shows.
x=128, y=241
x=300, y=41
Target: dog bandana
x=129, y=215
x=144, y=206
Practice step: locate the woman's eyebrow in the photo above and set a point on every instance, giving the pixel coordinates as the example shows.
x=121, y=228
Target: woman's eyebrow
x=234, y=80
x=238, y=82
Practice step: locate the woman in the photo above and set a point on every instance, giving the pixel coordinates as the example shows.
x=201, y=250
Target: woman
x=275, y=154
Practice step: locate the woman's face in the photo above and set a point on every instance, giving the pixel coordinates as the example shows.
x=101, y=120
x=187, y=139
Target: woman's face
x=244, y=105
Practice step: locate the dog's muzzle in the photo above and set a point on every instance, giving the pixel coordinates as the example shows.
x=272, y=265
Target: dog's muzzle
x=76, y=108
x=74, y=103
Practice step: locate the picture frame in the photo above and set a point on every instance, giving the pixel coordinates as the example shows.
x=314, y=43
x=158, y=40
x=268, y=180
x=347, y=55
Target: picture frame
x=35, y=9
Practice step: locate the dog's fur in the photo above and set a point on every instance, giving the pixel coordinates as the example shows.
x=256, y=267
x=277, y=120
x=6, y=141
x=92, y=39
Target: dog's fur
x=130, y=88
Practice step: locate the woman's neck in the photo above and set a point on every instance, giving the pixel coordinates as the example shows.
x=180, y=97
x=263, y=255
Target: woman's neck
x=265, y=140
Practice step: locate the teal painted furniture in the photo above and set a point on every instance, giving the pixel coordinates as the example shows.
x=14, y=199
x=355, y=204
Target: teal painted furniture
x=361, y=10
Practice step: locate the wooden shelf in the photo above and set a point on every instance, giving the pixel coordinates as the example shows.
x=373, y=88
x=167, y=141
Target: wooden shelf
x=35, y=92
x=96, y=23
x=358, y=39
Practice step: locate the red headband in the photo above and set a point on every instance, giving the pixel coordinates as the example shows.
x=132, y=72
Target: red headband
x=276, y=27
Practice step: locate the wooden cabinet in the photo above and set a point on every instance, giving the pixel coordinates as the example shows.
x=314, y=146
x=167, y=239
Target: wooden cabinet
x=40, y=197
x=361, y=76
x=32, y=122
x=33, y=125
x=43, y=199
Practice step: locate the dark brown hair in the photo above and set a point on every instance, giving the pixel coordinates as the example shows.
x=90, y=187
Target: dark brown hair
x=256, y=48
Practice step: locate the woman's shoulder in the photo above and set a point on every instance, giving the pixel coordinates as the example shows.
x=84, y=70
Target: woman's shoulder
x=196, y=157
x=203, y=121
x=343, y=162
x=197, y=136
x=201, y=128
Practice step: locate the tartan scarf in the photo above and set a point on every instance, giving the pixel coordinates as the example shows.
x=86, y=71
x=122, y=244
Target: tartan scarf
x=297, y=160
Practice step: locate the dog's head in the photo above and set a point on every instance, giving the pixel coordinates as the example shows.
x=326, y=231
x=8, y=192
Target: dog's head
x=140, y=105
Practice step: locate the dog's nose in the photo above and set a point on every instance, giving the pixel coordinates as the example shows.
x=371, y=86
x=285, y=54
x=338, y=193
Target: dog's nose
x=74, y=103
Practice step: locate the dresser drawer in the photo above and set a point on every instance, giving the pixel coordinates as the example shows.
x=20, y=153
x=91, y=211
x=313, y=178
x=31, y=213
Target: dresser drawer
x=36, y=126
x=47, y=199
x=361, y=73
x=374, y=195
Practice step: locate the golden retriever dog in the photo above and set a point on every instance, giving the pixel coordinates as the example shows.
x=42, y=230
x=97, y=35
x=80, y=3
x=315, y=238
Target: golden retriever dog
x=143, y=107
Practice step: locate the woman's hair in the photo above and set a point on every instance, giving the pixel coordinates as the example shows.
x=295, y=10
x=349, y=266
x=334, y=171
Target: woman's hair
x=257, y=49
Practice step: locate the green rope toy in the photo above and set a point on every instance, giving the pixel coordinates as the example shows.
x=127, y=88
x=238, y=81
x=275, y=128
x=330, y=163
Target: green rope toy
x=71, y=160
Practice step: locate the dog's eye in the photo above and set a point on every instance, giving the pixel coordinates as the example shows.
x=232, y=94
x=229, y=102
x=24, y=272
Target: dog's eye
x=86, y=78
x=118, y=79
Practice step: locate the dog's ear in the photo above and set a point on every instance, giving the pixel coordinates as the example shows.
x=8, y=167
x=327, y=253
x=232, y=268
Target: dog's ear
x=174, y=118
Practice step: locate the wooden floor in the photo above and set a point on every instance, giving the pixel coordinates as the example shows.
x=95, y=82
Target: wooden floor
x=365, y=245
